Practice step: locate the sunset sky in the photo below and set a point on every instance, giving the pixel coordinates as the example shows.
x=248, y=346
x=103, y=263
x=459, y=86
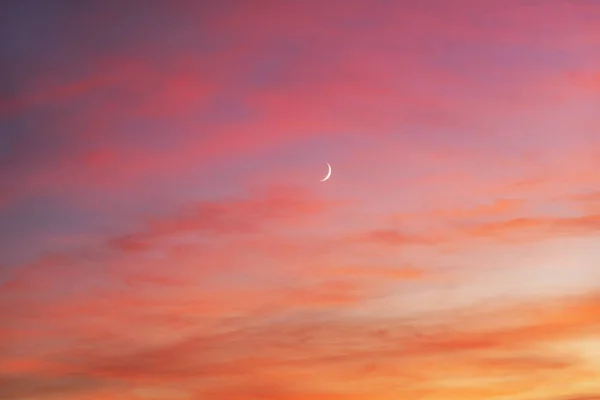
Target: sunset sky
x=164, y=234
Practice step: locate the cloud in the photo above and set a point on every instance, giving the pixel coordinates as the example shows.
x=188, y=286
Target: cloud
x=400, y=273
x=393, y=237
x=582, y=397
x=538, y=228
x=495, y=208
x=254, y=336
x=456, y=227
x=590, y=81
x=282, y=205
x=338, y=346
x=538, y=363
x=215, y=68
x=27, y=386
x=214, y=227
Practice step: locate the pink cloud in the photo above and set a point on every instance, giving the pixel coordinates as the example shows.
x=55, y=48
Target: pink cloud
x=337, y=96
x=539, y=227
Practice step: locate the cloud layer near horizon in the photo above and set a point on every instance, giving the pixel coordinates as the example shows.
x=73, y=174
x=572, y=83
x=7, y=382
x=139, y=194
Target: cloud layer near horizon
x=164, y=234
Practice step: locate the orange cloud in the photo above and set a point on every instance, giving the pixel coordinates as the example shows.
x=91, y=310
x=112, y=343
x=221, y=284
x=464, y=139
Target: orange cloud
x=584, y=397
x=233, y=348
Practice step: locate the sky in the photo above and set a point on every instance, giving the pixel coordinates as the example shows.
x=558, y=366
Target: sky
x=165, y=234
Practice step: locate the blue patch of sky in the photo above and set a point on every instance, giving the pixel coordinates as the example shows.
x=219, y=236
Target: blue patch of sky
x=65, y=40
x=31, y=226
x=164, y=133
x=30, y=141
x=272, y=67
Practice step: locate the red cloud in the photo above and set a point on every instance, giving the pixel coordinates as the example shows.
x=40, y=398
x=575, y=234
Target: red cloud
x=393, y=237
x=401, y=273
x=278, y=205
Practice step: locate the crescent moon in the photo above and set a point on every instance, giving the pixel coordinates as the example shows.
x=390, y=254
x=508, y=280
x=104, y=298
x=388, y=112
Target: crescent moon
x=328, y=173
